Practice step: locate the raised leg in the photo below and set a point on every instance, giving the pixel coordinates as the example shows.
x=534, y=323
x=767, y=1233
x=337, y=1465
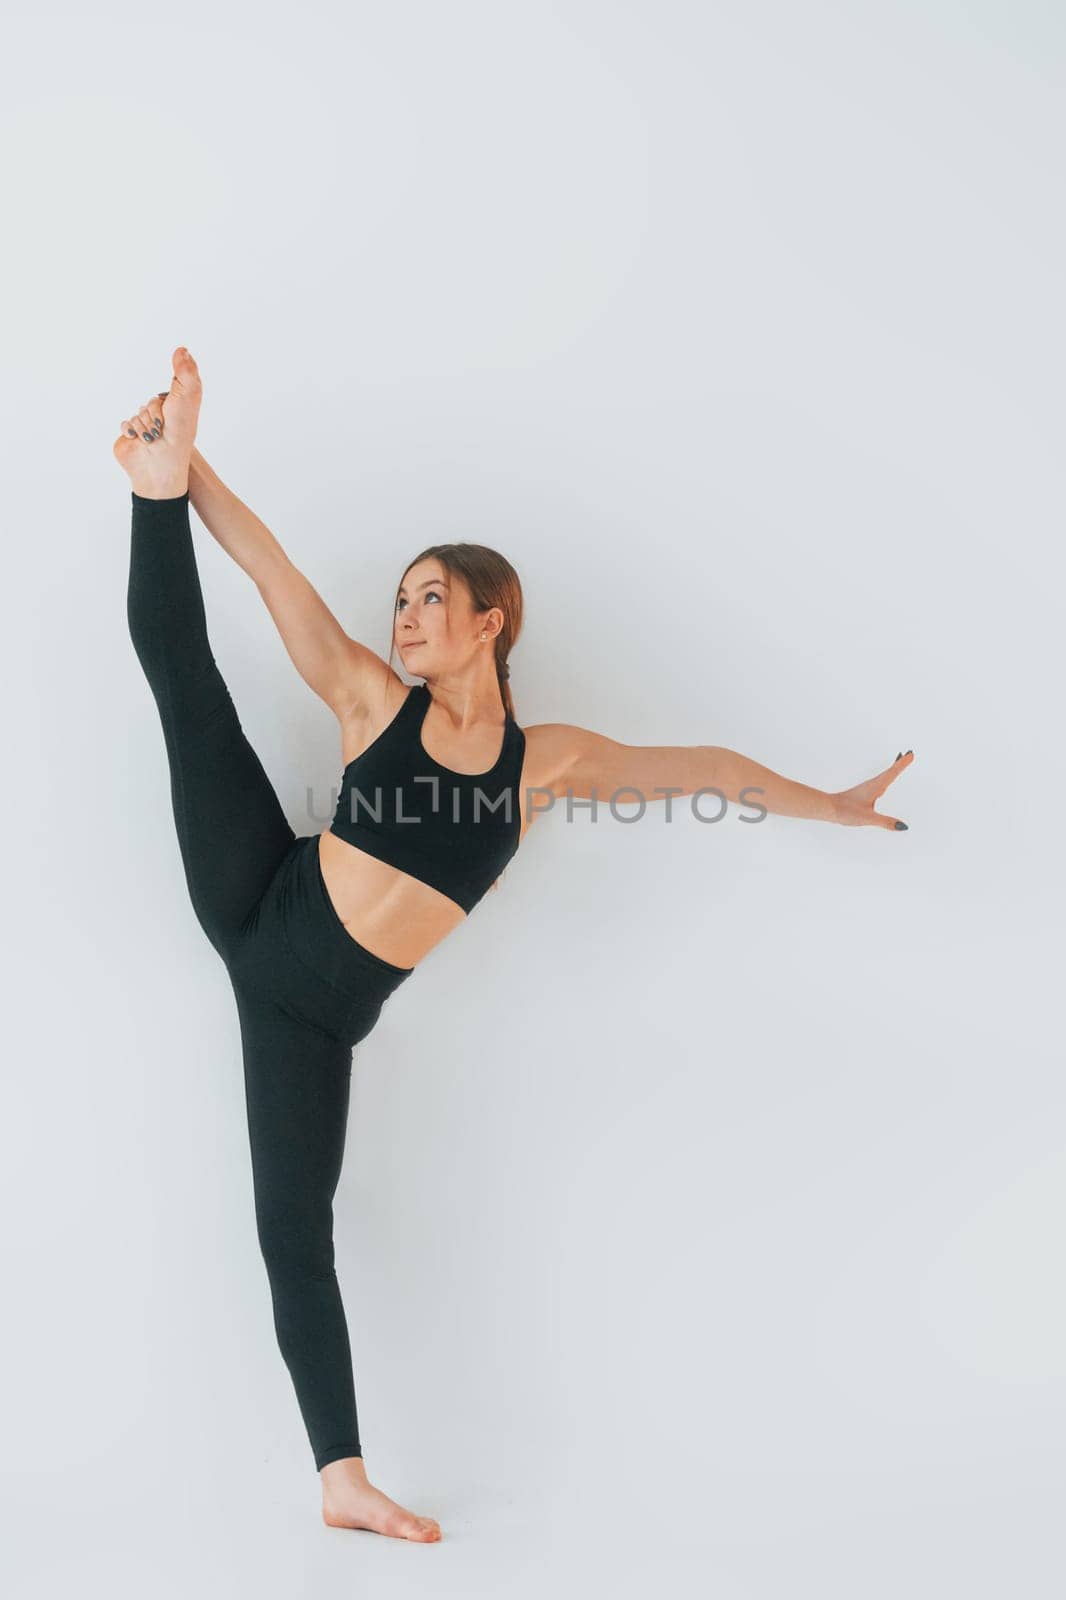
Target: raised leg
x=231, y=829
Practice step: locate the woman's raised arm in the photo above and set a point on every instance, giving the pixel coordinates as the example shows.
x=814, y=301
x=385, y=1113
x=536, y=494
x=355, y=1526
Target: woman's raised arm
x=235, y=526
x=341, y=671
x=584, y=764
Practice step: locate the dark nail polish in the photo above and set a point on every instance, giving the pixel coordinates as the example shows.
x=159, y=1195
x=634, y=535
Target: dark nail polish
x=901, y=824
x=132, y=432
x=157, y=432
x=910, y=752
x=147, y=436
x=898, y=754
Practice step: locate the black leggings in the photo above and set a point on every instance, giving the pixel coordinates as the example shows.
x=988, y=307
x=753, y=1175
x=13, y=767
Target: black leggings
x=306, y=991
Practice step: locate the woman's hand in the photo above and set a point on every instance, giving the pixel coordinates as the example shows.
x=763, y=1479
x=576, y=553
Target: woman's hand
x=855, y=807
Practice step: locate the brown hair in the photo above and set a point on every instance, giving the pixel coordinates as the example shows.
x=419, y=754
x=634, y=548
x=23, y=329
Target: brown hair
x=492, y=581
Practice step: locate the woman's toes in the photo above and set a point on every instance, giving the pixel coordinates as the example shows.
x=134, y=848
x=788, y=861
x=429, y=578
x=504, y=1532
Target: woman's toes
x=182, y=404
x=410, y=1526
x=185, y=368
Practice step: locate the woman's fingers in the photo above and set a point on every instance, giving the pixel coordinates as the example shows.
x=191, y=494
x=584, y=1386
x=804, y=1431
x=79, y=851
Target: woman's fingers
x=140, y=426
x=901, y=763
x=898, y=767
x=857, y=807
x=146, y=422
x=153, y=411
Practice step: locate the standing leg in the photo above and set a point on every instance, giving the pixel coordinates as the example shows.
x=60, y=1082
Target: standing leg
x=297, y=1085
x=231, y=829
x=297, y=1082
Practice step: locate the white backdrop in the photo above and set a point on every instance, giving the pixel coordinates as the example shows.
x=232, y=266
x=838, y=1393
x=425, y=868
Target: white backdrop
x=701, y=1221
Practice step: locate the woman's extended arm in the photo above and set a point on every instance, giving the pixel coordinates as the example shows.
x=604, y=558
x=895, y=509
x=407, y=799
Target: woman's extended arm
x=339, y=669
x=237, y=528
x=586, y=764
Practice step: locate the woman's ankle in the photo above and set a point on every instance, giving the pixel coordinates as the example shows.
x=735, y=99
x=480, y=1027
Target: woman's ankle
x=343, y=1470
x=165, y=490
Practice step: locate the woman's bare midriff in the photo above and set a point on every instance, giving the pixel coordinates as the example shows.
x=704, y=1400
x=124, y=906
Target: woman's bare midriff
x=388, y=912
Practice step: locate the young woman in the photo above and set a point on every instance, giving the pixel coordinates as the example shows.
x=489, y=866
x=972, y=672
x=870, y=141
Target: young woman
x=316, y=932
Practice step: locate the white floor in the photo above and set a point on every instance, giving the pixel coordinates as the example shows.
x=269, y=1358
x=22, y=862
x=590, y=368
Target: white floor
x=979, y=1534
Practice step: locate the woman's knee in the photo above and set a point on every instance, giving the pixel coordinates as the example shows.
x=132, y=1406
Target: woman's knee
x=296, y=1241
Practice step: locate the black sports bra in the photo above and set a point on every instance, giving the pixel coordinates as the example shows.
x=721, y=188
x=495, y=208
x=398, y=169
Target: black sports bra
x=455, y=831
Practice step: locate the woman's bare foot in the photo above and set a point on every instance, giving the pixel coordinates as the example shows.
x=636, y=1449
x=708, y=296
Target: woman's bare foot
x=155, y=446
x=349, y=1500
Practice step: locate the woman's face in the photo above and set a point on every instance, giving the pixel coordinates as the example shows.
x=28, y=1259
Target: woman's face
x=435, y=627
